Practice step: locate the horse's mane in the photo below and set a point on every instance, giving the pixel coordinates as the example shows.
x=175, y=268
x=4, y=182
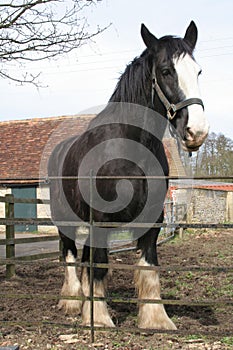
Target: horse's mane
x=134, y=85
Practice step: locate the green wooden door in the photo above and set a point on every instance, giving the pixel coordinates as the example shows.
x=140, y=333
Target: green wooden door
x=25, y=210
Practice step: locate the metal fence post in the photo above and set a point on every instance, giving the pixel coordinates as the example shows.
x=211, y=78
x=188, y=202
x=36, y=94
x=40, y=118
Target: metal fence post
x=10, y=235
x=61, y=257
x=91, y=261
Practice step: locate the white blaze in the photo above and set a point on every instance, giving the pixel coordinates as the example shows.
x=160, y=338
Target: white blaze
x=188, y=70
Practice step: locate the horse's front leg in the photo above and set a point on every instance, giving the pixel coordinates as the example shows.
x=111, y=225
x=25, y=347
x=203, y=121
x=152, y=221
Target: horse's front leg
x=101, y=314
x=147, y=283
x=71, y=286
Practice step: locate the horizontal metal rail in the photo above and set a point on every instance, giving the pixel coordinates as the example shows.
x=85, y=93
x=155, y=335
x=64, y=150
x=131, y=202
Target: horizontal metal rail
x=48, y=222
x=46, y=180
x=154, y=225
x=168, y=268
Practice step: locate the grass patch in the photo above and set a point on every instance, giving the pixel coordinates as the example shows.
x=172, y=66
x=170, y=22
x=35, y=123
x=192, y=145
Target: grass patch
x=227, y=340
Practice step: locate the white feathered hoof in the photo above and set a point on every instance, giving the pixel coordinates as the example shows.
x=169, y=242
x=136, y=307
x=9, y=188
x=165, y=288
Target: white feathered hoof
x=154, y=316
x=100, y=309
x=151, y=315
x=71, y=288
x=71, y=306
x=101, y=315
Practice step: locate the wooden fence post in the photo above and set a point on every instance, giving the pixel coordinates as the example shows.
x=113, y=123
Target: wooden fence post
x=10, y=234
x=181, y=232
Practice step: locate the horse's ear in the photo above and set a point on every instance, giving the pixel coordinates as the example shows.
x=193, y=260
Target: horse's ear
x=149, y=39
x=191, y=35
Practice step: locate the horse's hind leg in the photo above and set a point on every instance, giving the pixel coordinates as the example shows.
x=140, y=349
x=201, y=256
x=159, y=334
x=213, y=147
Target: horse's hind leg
x=101, y=314
x=148, y=286
x=72, y=286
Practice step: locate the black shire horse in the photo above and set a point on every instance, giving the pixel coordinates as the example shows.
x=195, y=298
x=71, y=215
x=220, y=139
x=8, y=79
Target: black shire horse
x=124, y=140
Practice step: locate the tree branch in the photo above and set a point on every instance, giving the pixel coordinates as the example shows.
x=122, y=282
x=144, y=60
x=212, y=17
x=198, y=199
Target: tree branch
x=34, y=30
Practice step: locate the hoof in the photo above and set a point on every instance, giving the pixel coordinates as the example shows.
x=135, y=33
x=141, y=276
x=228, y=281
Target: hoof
x=101, y=315
x=71, y=290
x=166, y=325
x=73, y=307
x=152, y=316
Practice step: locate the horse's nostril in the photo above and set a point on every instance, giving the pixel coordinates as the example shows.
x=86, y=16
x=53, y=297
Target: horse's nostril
x=189, y=135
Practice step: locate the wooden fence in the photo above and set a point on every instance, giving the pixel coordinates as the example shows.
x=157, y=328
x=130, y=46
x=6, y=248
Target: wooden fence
x=11, y=241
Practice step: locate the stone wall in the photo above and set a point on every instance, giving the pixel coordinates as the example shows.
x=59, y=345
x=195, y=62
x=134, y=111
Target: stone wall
x=208, y=206
x=205, y=205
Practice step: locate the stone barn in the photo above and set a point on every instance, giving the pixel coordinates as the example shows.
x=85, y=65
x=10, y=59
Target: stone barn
x=208, y=202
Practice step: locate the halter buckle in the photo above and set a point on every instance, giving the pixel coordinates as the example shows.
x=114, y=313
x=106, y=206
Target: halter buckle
x=171, y=112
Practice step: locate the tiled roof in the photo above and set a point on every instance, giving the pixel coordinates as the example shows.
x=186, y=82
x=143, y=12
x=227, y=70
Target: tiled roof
x=23, y=142
x=216, y=187
x=225, y=187
x=26, y=144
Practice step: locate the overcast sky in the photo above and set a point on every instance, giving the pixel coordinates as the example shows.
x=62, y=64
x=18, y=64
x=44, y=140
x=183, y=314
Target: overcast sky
x=87, y=77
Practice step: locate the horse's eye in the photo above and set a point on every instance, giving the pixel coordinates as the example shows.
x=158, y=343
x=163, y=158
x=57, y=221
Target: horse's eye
x=165, y=72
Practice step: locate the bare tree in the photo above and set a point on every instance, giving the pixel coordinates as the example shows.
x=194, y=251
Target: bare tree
x=215, y=157
x=34, y=30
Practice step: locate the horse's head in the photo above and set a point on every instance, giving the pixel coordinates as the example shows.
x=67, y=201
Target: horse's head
x=175, y=84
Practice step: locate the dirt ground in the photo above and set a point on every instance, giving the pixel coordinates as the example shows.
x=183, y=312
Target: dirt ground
x=34, y=322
